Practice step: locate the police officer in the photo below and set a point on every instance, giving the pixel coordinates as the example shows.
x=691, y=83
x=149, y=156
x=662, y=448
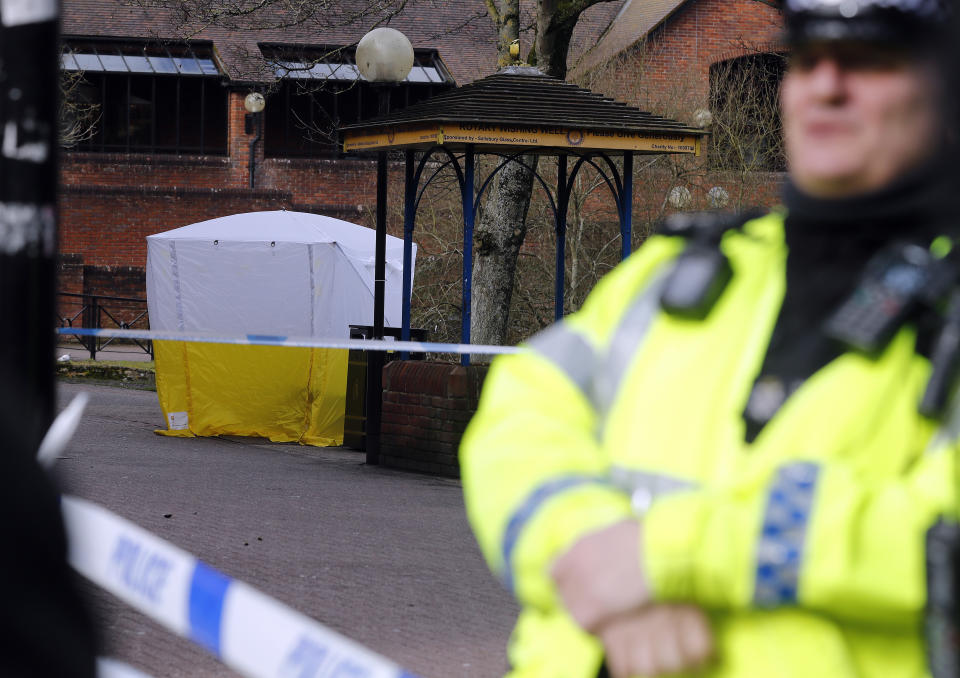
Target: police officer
x=722, y=462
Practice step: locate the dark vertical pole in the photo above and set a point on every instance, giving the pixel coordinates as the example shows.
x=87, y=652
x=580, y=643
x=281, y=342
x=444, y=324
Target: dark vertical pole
x=409, y=218
x=203, y=110
x=29, y=66
x=177, y=118
x=102, y=131
x=626, y=206
x=468, y=218
x=252, y=163
x=153, y=114
x=562, y=200
x=127, y=113
x=311, y=105
x=286, y=115
x=94, y=324
x=89, y=319
x=375, y=359
x=336, y=118
x=381, y=245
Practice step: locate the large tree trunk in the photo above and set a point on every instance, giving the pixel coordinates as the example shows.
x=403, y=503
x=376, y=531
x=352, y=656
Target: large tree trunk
x=503, y=224
x=556, y=20
x=497, y=239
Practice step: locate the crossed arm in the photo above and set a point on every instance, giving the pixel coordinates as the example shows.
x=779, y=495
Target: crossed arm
x=862, y=559
x=602, y=585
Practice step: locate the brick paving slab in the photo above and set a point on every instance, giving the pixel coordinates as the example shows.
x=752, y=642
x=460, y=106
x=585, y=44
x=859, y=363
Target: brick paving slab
x=383, y=557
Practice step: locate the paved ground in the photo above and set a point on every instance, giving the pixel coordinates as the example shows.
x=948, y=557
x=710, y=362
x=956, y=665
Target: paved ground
x=381, y=556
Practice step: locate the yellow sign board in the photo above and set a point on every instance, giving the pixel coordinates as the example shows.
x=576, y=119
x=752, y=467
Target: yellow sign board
x=392, y=139
x=543, y=137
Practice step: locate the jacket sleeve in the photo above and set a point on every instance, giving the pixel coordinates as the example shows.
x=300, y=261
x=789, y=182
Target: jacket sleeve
x=808, y=534
x=534, y=477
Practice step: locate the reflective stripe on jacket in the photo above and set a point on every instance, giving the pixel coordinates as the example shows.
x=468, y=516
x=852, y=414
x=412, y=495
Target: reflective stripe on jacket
x=806, y=546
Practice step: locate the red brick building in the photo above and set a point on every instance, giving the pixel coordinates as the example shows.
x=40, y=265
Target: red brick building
x=681, y=58
x=170, y=142
x=674, y=41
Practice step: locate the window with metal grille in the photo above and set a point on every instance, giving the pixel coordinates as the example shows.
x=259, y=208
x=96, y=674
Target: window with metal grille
x=320, y=88
x=146, y=98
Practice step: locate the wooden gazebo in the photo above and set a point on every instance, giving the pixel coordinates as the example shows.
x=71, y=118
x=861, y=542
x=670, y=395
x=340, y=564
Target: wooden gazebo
x=517, y=111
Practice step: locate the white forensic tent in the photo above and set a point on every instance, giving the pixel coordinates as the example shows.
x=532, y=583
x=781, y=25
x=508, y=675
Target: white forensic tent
x=273, y=273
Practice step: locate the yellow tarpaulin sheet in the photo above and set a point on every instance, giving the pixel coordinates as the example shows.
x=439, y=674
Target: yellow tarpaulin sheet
x=283, y=394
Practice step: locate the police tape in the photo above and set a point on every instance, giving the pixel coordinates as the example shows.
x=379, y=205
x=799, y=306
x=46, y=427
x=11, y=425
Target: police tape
x=247, y=630
x=297, y=342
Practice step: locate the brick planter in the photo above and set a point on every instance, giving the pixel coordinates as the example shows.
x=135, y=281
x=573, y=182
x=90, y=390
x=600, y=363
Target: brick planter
x=426, y=407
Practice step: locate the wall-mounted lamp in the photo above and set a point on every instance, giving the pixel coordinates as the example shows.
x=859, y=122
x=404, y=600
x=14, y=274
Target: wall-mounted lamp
x=253, y=122
x=254, y=103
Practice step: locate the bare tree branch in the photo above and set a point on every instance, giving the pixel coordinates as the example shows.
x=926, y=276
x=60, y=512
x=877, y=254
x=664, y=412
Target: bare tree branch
x=493, y=12
x=468, y=20
x=194, y=16
x=78, y=117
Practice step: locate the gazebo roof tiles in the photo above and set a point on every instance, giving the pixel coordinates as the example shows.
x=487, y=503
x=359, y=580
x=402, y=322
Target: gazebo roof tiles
x=524, y=96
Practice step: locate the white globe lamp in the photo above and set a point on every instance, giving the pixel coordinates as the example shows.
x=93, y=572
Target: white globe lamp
x=254, y=102
x=384, y=55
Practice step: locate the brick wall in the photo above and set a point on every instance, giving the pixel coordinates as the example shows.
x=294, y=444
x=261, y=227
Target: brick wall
x=426, y=407
x=671, y=66
x=70, y=273
x=70, y=279
x=108, y=225
x=109, y=203
x=114, y=281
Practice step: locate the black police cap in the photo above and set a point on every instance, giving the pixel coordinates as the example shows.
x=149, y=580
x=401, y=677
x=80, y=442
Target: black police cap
x=904, y=22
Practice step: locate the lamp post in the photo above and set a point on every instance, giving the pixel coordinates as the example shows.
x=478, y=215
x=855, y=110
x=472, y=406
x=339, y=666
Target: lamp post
x=253, y=122
x=384, y=58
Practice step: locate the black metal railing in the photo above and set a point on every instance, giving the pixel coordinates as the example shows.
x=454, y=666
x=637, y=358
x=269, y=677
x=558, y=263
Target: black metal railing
x=98, y=311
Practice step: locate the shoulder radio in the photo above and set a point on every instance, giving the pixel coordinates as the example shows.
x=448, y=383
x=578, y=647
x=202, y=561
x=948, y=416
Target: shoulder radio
x=702, y=271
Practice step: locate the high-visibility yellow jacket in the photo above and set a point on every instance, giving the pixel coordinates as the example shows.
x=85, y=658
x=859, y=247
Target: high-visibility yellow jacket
x=806, y=547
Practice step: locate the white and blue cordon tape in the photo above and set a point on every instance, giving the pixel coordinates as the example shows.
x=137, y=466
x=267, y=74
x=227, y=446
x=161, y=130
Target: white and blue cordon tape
x=297, y=342
x=246, y=629
x=249, y=631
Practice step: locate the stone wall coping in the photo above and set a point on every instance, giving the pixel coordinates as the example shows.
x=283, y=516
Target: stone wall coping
x=434, y=378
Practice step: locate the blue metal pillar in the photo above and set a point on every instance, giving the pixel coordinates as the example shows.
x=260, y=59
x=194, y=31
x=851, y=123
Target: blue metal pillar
x=409, y=218
x=626, y=206
x=468, y=219
x=563, y=196
x=376, y=359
